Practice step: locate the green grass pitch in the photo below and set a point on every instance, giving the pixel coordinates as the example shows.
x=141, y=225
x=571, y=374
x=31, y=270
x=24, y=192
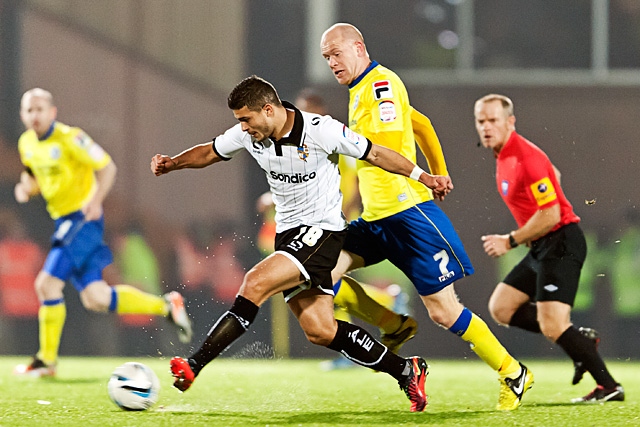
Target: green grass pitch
x=261, y=392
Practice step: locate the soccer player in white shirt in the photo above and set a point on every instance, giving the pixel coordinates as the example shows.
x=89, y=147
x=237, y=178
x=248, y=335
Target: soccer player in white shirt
x=298, y=152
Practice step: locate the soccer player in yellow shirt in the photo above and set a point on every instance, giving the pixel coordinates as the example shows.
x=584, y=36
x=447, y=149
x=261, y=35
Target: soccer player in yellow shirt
x=74, y=175
x=400, y=221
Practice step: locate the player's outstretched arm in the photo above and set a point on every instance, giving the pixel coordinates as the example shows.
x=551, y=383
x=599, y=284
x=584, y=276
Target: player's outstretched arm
x=198, y=156
x=393, y=162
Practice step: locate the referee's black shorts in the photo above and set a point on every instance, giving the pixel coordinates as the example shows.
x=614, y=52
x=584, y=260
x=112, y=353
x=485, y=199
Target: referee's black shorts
x=315, y=251
x=551, y=269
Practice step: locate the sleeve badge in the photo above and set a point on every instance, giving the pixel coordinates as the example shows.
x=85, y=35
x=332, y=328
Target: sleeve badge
x=543, y=191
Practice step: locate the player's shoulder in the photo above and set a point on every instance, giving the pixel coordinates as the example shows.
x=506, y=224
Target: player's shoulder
x=65, y=133
x=381, y=83
x=380, y=72
x=27, y=137
x=314, y=123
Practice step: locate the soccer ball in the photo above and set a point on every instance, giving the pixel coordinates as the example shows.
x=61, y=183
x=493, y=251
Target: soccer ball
x=134, y=387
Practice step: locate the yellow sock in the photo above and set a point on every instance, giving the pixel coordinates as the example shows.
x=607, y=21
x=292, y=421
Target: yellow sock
x=488, y=348
x=51, y=321
x=131, y=300
x=353, y=298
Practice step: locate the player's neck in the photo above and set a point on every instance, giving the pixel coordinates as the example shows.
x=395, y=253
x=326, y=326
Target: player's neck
x=288, y=117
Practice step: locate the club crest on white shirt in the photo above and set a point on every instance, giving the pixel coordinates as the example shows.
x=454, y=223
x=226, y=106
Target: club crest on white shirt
x=303, y=152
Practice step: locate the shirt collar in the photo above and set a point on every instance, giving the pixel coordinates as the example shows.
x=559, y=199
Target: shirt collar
x=371, y=66
x=48, y=133
x=295, y=136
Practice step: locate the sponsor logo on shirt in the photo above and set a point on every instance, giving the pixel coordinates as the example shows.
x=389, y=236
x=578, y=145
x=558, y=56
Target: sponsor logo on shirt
x=351, y=136
x=387, y=110
x=356, y=101
x=543, y=191
x=382, y=89
x=292, y=179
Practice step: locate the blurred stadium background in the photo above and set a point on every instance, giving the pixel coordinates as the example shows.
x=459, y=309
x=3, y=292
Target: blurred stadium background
x=149, y=76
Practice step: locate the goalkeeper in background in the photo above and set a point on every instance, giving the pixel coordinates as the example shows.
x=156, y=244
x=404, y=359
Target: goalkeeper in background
x=74, y=175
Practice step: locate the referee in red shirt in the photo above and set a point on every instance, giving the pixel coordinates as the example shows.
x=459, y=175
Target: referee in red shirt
x=537, y=295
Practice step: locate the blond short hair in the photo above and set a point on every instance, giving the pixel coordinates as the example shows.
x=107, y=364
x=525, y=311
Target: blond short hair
x=507, y=104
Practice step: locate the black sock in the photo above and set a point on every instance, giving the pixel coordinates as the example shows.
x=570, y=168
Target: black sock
x=583, y=350
x=526, y=317
x=358, y=345
x=229, y=327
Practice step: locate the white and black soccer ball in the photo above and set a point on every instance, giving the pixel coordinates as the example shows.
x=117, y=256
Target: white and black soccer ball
x=134, y=387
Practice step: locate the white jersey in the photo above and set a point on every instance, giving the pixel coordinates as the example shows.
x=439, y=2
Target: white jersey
x=301, y=168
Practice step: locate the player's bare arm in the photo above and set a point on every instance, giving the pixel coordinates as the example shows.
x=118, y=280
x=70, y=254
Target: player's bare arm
x=198, y=156
x=393, y=162
x=539, y=224
x=105, y=178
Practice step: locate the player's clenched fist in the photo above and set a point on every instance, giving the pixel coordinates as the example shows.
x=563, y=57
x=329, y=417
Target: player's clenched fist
x=161, y=164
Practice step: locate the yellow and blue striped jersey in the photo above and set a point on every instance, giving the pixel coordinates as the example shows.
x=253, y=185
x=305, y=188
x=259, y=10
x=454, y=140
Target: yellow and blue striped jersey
x=63, y=163
x=379, y=109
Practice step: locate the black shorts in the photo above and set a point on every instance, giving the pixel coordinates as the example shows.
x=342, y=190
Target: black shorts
x=551, y=269
x=315, y=251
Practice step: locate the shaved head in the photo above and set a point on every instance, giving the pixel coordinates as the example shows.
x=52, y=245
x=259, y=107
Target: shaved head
x=37, y=111
x=38, y=93
x=343, y=47
x=344, y=31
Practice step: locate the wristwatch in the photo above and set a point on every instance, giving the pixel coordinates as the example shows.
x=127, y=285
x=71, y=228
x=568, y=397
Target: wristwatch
x=512, y=241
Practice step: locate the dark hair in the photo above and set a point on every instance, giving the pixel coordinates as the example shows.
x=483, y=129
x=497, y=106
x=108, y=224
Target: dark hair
x=254, y=93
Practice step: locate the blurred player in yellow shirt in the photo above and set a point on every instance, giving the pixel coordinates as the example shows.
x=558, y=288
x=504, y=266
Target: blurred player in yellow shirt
x=74, y=175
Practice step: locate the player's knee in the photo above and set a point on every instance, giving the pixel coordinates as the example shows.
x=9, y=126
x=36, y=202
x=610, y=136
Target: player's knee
x=444, y=315
x=48, y=287
x=319, y=339
x=94, y=304
x=96, y=297
x=318, y=335
x=552, y=329
x=499, y=313
x=255, y=287
x=439, y=318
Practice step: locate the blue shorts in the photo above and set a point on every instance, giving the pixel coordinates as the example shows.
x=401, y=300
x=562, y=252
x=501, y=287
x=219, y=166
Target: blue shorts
x=78, y=252
x=420, y=241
